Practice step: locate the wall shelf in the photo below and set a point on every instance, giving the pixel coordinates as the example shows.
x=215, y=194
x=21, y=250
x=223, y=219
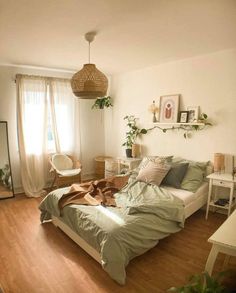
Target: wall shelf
x=178, y=123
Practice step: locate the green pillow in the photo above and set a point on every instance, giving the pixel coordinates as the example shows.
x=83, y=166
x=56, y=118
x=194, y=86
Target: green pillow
x=176, y=175
x=194, y=176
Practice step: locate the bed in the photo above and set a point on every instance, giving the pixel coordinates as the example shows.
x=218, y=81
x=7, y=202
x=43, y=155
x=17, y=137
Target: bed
x=114, y=235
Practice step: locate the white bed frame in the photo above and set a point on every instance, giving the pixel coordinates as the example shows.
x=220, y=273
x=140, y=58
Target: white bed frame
x=189, y=210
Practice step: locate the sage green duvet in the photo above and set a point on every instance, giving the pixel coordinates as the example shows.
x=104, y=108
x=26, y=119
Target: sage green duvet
x=144, y=214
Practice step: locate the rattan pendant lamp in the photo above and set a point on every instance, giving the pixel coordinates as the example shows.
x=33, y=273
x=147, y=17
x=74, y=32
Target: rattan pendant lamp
x=89, y=82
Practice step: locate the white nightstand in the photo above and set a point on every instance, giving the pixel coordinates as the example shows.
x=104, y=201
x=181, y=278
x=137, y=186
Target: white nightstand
x=223, y=180
x=130, y=163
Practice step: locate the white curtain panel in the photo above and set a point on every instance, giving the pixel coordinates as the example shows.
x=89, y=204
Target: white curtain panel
x=32, y=114
x=48, y=122
x=64, y=109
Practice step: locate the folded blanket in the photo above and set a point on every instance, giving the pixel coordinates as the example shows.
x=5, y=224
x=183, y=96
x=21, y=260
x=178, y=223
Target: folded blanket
x=98, y=192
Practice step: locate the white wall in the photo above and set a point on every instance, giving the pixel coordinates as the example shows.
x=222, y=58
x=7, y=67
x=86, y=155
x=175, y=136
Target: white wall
x=207, y=81
x=92, y=128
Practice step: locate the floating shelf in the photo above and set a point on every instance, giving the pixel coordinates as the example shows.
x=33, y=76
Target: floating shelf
x=179, y=123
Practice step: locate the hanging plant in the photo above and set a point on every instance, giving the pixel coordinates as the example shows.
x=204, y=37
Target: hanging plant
x=102, y=103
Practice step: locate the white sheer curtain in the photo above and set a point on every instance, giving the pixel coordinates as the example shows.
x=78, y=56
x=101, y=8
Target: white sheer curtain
x=32, y=131
x=64, y=109
x=47, y=115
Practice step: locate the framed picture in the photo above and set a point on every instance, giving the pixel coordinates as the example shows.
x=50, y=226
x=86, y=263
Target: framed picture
x=193, y=113
x=169, y=108
x=183, y=116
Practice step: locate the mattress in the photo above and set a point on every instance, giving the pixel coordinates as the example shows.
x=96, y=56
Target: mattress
x=187, y=196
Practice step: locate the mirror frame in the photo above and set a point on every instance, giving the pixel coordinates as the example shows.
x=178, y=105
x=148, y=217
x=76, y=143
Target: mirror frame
x=9, y=159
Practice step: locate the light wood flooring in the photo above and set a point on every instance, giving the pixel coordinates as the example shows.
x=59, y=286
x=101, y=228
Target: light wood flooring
x=40, y=258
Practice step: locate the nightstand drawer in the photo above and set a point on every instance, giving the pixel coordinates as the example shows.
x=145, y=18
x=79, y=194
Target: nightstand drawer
x=222, y=183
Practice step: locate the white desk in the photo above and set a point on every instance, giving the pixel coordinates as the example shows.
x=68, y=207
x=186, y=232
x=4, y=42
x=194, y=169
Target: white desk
x=223, y=240
x=131, y=163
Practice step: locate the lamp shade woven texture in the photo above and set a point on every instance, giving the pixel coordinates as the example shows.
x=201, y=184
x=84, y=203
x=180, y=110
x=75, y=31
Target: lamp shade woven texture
x=89, y=82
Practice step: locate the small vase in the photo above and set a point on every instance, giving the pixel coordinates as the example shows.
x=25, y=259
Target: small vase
x=154, y=118
x=128, y=153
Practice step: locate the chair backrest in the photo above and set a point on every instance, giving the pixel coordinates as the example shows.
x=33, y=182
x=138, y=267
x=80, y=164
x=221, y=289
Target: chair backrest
x=61, y=162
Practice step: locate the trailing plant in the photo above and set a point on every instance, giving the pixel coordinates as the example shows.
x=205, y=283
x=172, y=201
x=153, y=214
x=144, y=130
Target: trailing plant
x=187, y=128
x=202, y=119
x=133, y=131
x=102, y=103
x=203, y=283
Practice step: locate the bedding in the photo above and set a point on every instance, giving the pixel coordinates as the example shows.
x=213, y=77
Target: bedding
x=187, y=196
x=94, y=192
x=145, y=213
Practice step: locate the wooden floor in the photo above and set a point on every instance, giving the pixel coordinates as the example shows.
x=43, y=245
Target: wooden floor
x=40, y=258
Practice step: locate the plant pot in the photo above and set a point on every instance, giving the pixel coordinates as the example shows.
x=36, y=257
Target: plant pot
x=135, y=150
x=128, y=153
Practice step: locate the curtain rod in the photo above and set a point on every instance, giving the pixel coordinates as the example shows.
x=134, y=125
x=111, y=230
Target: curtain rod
x=41, y=77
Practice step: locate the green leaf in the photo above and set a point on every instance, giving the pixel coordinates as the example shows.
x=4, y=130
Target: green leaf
x=143, y=131
x=195, y=127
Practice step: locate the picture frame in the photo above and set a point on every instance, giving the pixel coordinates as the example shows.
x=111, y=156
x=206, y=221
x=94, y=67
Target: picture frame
x=193, y=114
x=169, y=108
x=183, y=116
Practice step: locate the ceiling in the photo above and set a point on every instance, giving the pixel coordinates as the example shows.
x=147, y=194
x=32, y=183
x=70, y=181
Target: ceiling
x=131, y=34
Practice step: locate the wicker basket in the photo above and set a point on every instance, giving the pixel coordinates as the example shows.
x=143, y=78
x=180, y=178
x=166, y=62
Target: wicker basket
x=100, y=166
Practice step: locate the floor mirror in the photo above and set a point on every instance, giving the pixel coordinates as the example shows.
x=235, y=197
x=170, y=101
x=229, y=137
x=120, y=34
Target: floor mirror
x=6, y=183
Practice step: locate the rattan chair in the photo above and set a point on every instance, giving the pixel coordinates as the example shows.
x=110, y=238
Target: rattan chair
x=66, y=170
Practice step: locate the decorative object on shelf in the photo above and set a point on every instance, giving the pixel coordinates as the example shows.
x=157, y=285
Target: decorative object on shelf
x=193, y=113
x=101, y=103
x=219, y=163
x=89, y=82
x=133, y=132
x=169, y=107
x=183, y=116
x=154, y=110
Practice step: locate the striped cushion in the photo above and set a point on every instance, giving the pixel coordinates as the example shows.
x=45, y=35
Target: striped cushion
x=153, y=173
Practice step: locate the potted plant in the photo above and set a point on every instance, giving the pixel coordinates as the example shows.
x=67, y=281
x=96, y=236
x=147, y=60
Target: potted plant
x=131, y=135
x=102, y=103
x=204, y=283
